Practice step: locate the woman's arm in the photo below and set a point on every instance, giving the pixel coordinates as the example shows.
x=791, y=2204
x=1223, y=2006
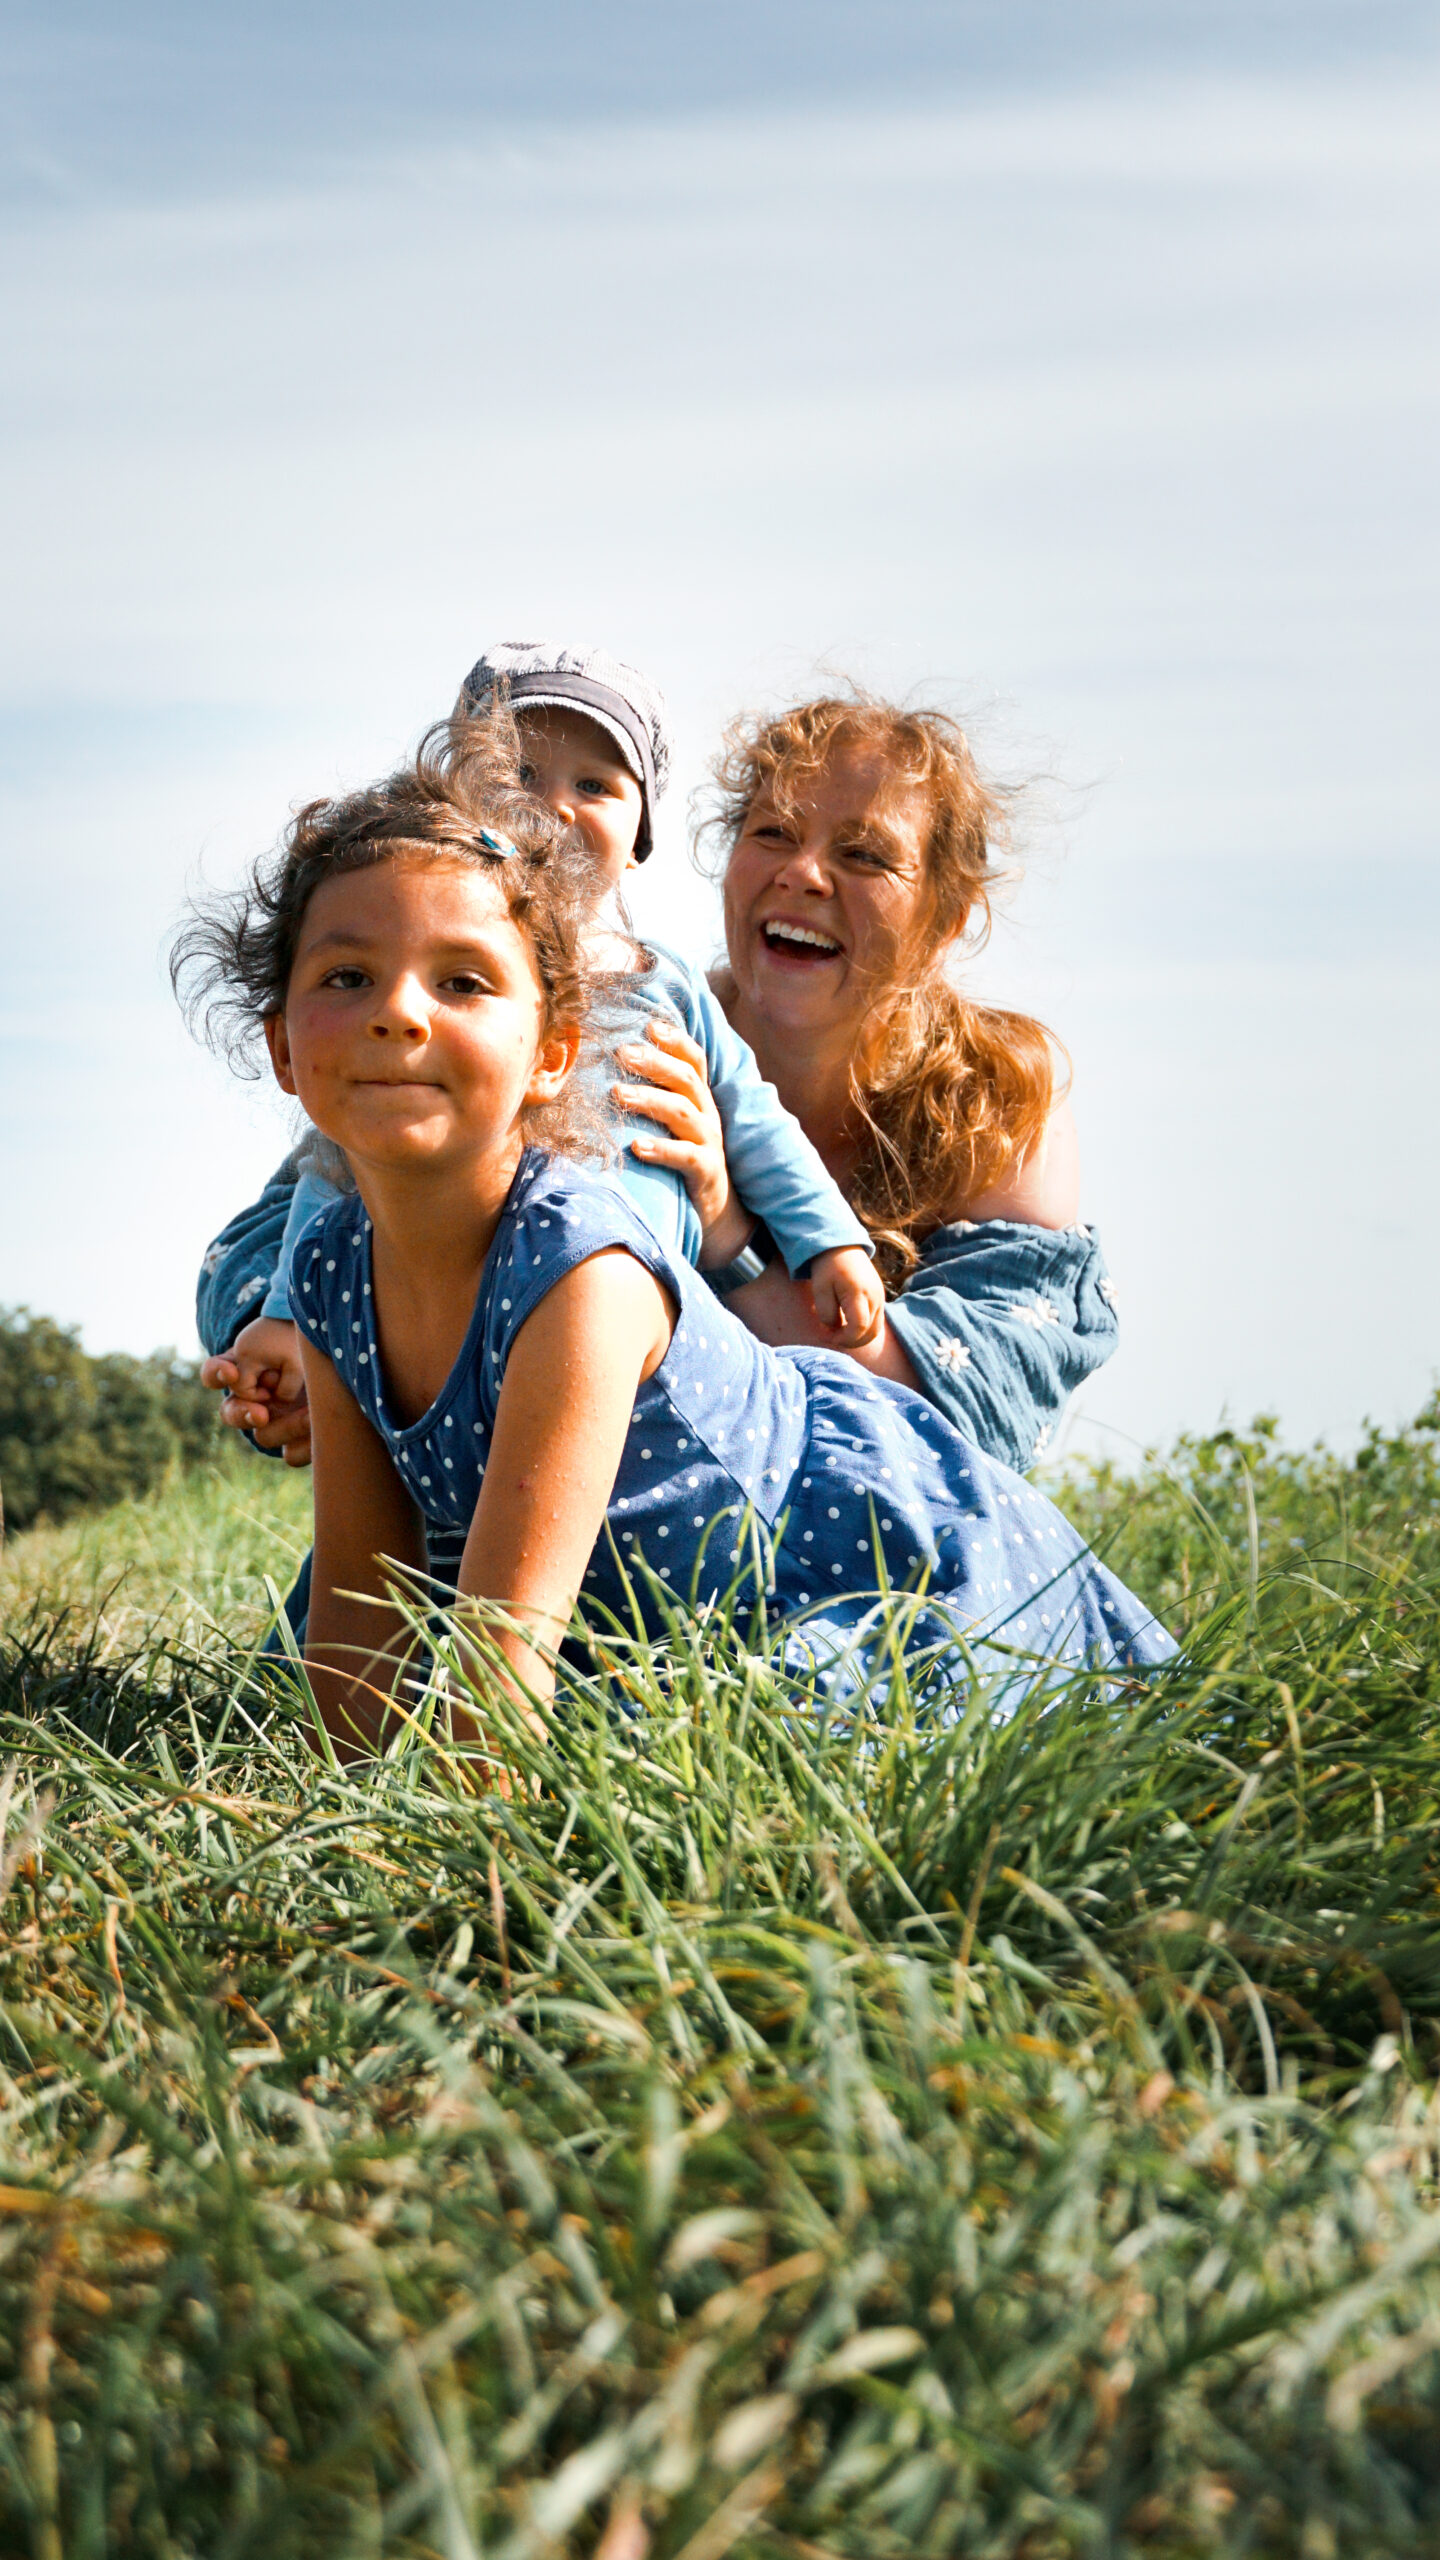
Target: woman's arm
x=238, y=1277
x=565, y=1407
x=778, y=1310
x=1043, y=1191
x=354, y=1650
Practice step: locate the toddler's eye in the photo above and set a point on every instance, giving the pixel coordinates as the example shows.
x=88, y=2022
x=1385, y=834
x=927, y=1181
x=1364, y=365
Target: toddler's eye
x=464, y=983
x=528, y=776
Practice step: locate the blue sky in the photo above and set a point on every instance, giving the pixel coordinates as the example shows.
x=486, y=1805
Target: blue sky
x=1077, y=368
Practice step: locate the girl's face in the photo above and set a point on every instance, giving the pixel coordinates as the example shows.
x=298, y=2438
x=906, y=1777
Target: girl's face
x=575, y=767
x=821, y=900
x=413, y=1023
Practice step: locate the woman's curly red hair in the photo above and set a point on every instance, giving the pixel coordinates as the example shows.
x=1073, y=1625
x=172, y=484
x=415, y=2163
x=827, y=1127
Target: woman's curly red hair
x=949, y=1095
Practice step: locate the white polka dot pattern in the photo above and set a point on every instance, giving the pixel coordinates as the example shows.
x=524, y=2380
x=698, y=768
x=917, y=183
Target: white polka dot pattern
x=799, y=1444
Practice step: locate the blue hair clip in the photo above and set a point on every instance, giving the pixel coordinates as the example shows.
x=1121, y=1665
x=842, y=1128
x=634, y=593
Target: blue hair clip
x=500, y=845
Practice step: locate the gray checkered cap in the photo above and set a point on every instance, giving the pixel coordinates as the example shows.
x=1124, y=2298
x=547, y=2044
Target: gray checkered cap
x=620, y=698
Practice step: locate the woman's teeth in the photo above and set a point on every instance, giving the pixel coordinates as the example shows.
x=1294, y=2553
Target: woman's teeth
x=793, y=933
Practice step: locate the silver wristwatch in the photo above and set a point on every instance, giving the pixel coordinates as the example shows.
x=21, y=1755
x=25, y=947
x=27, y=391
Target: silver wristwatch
x=755, y=1255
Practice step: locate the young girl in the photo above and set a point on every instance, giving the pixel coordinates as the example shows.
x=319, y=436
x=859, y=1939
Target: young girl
x=494, y=1340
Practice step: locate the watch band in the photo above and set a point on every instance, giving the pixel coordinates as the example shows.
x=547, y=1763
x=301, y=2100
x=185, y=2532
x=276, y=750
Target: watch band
x=754, y=1256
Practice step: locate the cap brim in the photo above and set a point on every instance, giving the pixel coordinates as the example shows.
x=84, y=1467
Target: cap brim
x=588, y=711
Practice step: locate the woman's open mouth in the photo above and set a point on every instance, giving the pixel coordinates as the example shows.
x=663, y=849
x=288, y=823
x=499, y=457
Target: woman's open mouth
x=800, y=942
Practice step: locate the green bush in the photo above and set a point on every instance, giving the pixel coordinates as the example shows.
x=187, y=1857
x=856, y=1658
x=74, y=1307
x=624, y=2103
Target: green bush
x=77, y=1433
x=1236, y=1516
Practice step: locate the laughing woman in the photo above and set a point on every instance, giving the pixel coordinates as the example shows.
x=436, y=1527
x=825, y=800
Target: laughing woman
x=494, y=1342
x=858, y=860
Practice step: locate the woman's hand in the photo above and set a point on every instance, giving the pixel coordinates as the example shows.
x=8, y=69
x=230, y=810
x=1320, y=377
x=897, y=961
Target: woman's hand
x=690, y=1138
x=263, y=1383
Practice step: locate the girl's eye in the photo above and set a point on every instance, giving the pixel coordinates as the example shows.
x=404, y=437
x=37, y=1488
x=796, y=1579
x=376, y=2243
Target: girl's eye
x=464, y=983
x=345, y=979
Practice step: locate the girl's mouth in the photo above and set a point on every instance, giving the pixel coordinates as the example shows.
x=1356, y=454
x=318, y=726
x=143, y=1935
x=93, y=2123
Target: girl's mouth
x=797, y=941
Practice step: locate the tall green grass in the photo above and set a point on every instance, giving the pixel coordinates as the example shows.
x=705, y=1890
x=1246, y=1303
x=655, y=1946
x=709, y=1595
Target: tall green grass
x=765, y=2129
x=183, y=1566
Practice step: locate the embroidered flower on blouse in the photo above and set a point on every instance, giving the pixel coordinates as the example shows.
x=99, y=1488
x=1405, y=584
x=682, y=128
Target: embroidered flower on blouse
x=1109, y=1292
x=1038, y=1315
x=250, y=1289
x=1042, y=1442
x=953, y=1356
x=213, y=1259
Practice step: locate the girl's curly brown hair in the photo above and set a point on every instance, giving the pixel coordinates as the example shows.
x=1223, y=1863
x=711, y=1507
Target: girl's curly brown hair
x=459, y=800
x=949, y=1095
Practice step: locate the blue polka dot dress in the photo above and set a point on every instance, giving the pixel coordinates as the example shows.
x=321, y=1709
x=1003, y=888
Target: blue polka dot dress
x=842, y=1474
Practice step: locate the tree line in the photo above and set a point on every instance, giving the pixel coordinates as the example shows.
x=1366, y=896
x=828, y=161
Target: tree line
x=78, y=1431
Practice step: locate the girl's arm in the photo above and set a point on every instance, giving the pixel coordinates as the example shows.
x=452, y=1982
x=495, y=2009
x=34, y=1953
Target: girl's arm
x=354, y=1650
x=565, y=1408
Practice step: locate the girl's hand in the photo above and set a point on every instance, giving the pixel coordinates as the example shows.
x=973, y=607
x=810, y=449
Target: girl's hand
x=690, y=1137
x=849, y=1298
x=263, y=1384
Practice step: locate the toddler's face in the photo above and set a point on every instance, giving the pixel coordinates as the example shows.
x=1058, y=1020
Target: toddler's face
x=413, y=1029
x=575, y=767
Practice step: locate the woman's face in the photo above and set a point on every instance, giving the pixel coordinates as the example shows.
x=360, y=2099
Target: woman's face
x=820, y=899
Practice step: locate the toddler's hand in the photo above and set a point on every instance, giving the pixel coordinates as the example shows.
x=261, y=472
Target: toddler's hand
x=263, y=1384
x=849, y=1298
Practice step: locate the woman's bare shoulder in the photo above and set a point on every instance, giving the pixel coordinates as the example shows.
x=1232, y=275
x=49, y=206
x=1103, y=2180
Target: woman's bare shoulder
x=1043, y=1191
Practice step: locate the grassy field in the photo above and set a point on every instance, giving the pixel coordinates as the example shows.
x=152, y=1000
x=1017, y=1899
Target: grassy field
x=761, y=2132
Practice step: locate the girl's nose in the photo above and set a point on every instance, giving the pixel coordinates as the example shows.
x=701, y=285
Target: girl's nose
x=400, y=1014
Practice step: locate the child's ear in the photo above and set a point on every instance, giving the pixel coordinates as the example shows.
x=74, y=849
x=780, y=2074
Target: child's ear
x=277, y=1041
x=554, y=1059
